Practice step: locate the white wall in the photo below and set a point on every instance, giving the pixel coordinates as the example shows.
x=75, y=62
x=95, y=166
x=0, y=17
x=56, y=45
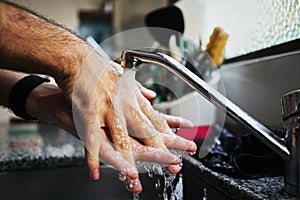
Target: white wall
x=63, y=11
x=258, y=85
x=130, y=13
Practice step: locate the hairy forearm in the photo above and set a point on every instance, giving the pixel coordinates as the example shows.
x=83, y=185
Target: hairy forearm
x=32, y=44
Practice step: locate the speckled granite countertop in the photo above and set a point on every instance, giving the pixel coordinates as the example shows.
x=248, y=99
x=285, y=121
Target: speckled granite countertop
x=38, y=146
x=33, y=145
x=262, y=188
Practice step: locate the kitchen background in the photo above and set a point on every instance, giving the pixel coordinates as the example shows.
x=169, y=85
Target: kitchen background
x=256, y=84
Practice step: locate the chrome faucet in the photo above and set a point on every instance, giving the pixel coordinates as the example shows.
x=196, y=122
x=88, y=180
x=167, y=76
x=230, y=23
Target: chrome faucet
x=286, y=148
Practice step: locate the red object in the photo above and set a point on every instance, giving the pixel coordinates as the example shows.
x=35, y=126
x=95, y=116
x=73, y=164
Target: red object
x=194, y=133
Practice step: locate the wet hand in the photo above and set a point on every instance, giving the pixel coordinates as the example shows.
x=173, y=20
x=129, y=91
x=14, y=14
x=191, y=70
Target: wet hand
x=110, y=106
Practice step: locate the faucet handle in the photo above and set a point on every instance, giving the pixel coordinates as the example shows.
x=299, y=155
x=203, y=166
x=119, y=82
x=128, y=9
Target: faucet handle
x=133, y=58
x=290, y=104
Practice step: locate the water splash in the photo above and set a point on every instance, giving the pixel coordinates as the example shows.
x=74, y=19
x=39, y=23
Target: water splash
x=177, y=194
x=133, y=183
x=122, y=177
x=168, y=185
x=157, y=169
x=135, y=196
x=204, y=194
x=157, y=184
x=171, y=184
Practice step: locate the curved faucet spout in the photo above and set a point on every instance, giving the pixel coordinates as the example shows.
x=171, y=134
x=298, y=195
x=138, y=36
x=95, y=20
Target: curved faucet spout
x=132, y=59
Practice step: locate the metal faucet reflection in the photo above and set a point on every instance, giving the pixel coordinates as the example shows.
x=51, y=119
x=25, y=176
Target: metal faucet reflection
x=286, y=148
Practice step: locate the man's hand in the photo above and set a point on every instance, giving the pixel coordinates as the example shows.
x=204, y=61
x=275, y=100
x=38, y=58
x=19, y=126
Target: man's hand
x=47, y=103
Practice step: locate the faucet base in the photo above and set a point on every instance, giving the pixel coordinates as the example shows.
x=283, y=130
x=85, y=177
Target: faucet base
x=292, y=189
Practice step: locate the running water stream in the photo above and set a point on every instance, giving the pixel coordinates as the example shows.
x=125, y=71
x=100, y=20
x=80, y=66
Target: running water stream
x=170, y=184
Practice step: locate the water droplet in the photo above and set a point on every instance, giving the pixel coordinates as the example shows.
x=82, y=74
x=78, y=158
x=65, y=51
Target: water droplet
x=204, y=194
x=122, y=177
x=118, y=139
x=135, y=196
x=157, y=169
x=133, y=183
x=157, y=184
x=178, y=191
x=181, y=164
x=149, y=172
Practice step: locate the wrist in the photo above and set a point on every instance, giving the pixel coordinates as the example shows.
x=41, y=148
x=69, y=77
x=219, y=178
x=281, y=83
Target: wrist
x=88, y=71
x=32, y=103
x=19, y=93
x=67, y=69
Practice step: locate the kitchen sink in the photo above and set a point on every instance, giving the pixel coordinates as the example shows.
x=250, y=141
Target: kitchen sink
x=196, y=186
x=74, y=184
x=69, y=183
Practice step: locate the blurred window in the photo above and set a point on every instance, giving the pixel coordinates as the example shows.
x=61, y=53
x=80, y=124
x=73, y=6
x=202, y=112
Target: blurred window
x=253, y=24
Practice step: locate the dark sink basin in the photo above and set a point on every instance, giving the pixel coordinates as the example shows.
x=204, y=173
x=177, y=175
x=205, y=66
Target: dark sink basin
x=74, y=184
x=65, y=183
x=70, y=183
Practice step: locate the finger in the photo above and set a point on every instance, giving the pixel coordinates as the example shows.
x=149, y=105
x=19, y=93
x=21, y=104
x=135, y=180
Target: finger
x=88, y=130
x=105, y=150
x=147, y=153
x=119, y=135
x=176, y=122
x=174, y=169
x=173, y=121
x=176, y=142
x=93, y=165
x=112, y=157
x=129, y=174
x=170, y=139
x=152, y=138
x=149, y=94
x=92, y=145
x=143, y=128
x=157, y=119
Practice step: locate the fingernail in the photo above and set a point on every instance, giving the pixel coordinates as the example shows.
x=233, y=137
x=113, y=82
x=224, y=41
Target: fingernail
x=95, y=175
x=135, y=186
x=174, y=169
x=193, y=147
x=151, y=92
